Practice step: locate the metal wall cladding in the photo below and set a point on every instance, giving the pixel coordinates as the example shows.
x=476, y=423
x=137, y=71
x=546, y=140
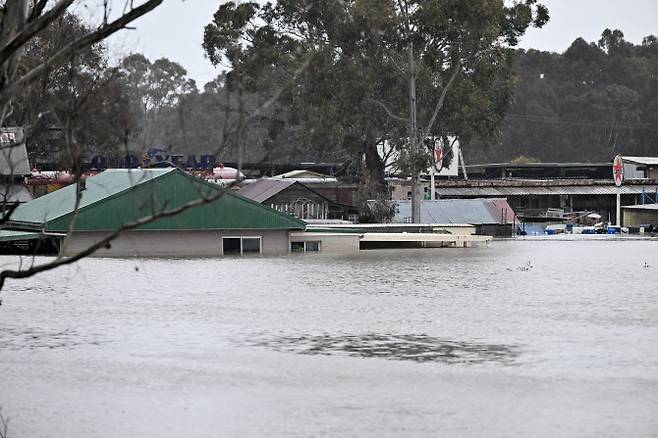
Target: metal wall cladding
x=224, y=209
x=544, y=190
x=13, y=155
x=459, y=211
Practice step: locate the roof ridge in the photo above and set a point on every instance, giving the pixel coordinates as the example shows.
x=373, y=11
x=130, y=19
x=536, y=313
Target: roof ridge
x=120, y=192
x=103, y=199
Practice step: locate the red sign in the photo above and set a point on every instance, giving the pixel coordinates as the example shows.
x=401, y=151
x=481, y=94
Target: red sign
x=618, y=170
x=438, y=156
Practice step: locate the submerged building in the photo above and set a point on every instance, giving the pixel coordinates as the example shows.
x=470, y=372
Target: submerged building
x=222, y=223
x=549, y=191
x=492, y=216
x=293, y=197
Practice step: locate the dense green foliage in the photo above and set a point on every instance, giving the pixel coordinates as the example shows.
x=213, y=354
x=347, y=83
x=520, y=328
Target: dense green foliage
x=321, y=83
x=84, y=99
x=339, y=72
x=587, y=104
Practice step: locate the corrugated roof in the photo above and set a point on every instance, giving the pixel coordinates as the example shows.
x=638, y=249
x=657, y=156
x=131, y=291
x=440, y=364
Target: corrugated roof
x=119, y=196
x=98, y=188
x=303, y=173
x=642, y=207
x=265, y=188
x=13, y=154
x=12, y=236
x=545, y=190
x=459, y=211
x=649, y=161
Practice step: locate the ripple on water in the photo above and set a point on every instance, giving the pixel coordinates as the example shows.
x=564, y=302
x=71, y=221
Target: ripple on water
x=411, y=347
x=31, y=338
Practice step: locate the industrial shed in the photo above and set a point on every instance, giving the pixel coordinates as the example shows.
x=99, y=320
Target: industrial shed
x=641, y=216
x=492, y=217
x=229, y=225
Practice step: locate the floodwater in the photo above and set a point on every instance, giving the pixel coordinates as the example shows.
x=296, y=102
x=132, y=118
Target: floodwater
x=542, y=338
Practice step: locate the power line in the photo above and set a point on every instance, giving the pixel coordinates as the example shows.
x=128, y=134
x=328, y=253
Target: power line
x=573, y=122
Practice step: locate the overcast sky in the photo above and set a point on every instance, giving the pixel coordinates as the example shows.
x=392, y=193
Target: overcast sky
x=175, y=29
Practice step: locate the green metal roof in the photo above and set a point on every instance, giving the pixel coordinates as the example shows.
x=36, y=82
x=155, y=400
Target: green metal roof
x=119, y=196
x=12, y=236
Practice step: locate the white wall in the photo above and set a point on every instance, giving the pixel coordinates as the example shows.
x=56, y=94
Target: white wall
x=329, y=242
x=173, y=243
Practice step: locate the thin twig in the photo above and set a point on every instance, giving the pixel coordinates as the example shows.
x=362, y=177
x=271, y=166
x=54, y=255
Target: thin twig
x=388, y=111
x=65, y=53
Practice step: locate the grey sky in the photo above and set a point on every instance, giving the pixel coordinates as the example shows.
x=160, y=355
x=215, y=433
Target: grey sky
x=175, y=29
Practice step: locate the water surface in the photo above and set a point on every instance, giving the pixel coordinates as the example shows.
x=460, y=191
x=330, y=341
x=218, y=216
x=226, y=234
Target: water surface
x=544, y=338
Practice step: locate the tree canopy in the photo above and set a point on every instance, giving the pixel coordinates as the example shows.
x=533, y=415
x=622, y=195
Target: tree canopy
x=340, y=69
x=587, y=104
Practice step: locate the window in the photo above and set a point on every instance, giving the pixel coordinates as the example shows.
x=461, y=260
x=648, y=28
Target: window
x=312, y=246
x=241, y=245
x=231, y=245
x=296, y=246
x=251, y=245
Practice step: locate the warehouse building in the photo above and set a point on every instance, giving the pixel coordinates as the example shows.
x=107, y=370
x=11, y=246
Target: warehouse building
x=230, y=224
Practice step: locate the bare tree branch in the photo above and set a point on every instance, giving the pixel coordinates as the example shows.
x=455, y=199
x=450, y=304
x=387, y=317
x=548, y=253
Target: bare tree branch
x=439, y=103
x=38, y=8
x=33, y=27
x=388, y=111
x=106, y=241
x=61, y=56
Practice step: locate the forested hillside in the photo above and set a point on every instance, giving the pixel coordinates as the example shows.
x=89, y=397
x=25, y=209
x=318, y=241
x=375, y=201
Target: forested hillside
x=586, y=104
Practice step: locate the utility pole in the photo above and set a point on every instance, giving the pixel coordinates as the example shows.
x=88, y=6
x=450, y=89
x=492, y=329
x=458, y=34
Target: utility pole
x=413, y=139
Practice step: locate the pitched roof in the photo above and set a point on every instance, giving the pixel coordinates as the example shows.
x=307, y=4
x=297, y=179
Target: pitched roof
x=458, y=211
x=99, y=187
x=264, y=188
x=120, y=196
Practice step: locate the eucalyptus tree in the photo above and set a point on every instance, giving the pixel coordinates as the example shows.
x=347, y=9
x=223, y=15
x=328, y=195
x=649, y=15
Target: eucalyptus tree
x=592, y=101
x=358, y=73
x=21, y=21
x=85, y=92
x=155, y=86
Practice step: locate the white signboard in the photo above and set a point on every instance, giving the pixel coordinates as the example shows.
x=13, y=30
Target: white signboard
x=390, y=156
x=451, y=169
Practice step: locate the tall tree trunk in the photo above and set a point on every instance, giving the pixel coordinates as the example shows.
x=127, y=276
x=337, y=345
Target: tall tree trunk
x=374, y=172
x=413, y=132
